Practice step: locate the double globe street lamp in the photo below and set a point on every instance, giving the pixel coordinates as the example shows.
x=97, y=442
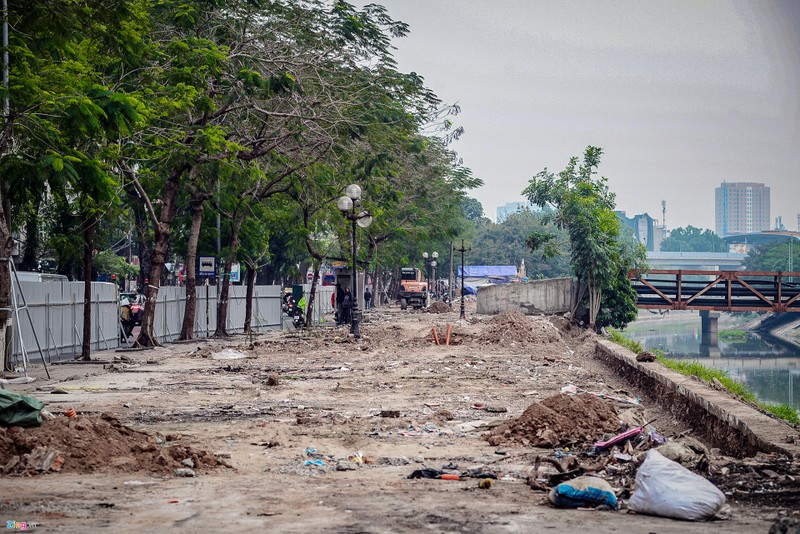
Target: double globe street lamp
x=350, y=206
x=430, y=261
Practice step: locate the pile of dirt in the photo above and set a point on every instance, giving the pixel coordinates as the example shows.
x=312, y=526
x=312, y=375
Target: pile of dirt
x=438, y=307
x=557, y=420
x=89, y=444
x=516, y=327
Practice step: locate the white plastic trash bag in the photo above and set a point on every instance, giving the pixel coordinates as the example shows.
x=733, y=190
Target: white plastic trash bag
x=666, y=488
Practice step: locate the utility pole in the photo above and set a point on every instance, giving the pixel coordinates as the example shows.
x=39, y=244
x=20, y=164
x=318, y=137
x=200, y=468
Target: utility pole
x=462, y=250
x=450, y=294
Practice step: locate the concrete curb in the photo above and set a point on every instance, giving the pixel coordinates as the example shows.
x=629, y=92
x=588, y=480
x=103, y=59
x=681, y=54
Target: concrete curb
x=735, y=427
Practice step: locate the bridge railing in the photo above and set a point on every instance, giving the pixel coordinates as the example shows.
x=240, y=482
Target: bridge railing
x=718, y=290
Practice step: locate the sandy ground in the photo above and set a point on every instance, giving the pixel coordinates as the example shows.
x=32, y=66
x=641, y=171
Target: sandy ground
x=393, y=397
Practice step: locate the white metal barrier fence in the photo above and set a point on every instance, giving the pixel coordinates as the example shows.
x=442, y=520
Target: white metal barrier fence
x=56, y=313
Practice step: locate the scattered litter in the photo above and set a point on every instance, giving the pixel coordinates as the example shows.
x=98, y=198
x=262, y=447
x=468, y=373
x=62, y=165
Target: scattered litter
x=666, y=488
x=678, y=452
x=357, y=458
x=173, y=501
x=317, y=463
x=485, y=483
x=17, y=380
x=621, y=438
x=228, y=354
x=70, y=412
x=426, y=473
x=390, y=413
x=584, y=492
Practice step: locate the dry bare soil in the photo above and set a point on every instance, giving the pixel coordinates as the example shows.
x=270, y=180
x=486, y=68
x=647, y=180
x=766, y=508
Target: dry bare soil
x=318, y=432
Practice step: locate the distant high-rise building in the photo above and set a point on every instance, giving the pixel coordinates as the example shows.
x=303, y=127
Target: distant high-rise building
x=742, y=208
x=645, y=229
x=512, y=207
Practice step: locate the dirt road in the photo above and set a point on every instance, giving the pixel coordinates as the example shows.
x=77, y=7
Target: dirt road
x=329, y=447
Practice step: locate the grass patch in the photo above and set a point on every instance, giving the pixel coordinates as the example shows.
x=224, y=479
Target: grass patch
x=617, y=337
x=733, y=336
x=783, y=411
x=708, y=374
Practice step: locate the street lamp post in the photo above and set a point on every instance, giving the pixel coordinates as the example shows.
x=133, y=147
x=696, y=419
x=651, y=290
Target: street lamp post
x=349, y=205
x=462, y=250
x=433, y=265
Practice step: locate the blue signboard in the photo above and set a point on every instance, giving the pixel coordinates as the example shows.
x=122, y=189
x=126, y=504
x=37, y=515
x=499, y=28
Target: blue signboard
x=206, y=266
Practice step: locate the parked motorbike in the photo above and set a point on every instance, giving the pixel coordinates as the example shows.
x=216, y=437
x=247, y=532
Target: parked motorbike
x=298, y=318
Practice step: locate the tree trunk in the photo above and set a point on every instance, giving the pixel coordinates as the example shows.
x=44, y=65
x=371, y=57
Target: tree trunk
x=88, y=257
x=312, y=297
x=190, y=309
x=375, y=286
x=251, y=283
x=222, y=305
x=6, y=247
x=162, y=233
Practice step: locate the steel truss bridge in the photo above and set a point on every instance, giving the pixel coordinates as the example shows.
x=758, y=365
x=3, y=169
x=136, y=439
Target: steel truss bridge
x=718, y=290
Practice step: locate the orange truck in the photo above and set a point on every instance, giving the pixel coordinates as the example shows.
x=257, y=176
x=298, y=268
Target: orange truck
x=412, y=288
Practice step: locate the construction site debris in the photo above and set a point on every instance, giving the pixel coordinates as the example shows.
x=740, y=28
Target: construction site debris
x=584, y=492
x=18, y=409
x=666, y=488
x=95, y=444
x=438, y=307
x=558, y=419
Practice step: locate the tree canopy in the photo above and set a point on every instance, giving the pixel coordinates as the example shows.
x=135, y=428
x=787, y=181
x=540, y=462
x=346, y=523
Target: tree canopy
x=691, y=239
x=600, y=259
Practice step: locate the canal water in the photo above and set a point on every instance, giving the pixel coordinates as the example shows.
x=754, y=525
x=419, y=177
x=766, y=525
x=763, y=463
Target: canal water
x=770, y=366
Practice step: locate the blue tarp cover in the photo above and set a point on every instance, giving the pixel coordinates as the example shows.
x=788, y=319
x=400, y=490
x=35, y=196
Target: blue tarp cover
x=488, y=271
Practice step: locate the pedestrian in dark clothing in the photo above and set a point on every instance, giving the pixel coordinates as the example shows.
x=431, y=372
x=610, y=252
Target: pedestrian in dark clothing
x=339, y=301
x=367, y=298
x=347, y=305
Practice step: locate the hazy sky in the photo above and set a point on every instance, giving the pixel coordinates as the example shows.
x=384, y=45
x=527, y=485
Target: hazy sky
x=681, y=95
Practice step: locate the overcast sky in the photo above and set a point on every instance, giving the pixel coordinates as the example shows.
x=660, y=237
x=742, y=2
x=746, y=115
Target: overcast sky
x=681, y=95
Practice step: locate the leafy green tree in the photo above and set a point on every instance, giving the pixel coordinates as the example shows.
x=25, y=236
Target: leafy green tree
x=64, y=115
x=108, y=262
x=782, y=256
x=584, y=208
x=691, y=239
x=506, y=244
x=473, y=209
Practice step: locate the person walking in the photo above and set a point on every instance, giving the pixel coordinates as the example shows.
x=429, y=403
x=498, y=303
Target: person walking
x=339, y=302
x=347, y=305
x=367, y=298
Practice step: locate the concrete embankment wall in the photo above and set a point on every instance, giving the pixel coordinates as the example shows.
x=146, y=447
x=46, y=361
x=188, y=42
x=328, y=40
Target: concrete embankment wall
x=553, y=295
x=723, y=421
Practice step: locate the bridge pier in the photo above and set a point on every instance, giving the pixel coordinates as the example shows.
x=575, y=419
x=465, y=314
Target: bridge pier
x=709, y=327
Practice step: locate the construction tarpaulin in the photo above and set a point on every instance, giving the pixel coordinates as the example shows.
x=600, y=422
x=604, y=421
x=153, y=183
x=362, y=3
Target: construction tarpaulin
x=495, y=274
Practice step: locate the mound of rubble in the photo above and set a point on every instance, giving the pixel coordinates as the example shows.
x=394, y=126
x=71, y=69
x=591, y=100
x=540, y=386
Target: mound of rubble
x=559, y=419
x=89, y=444
x=516, y=327
x=438, y=307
